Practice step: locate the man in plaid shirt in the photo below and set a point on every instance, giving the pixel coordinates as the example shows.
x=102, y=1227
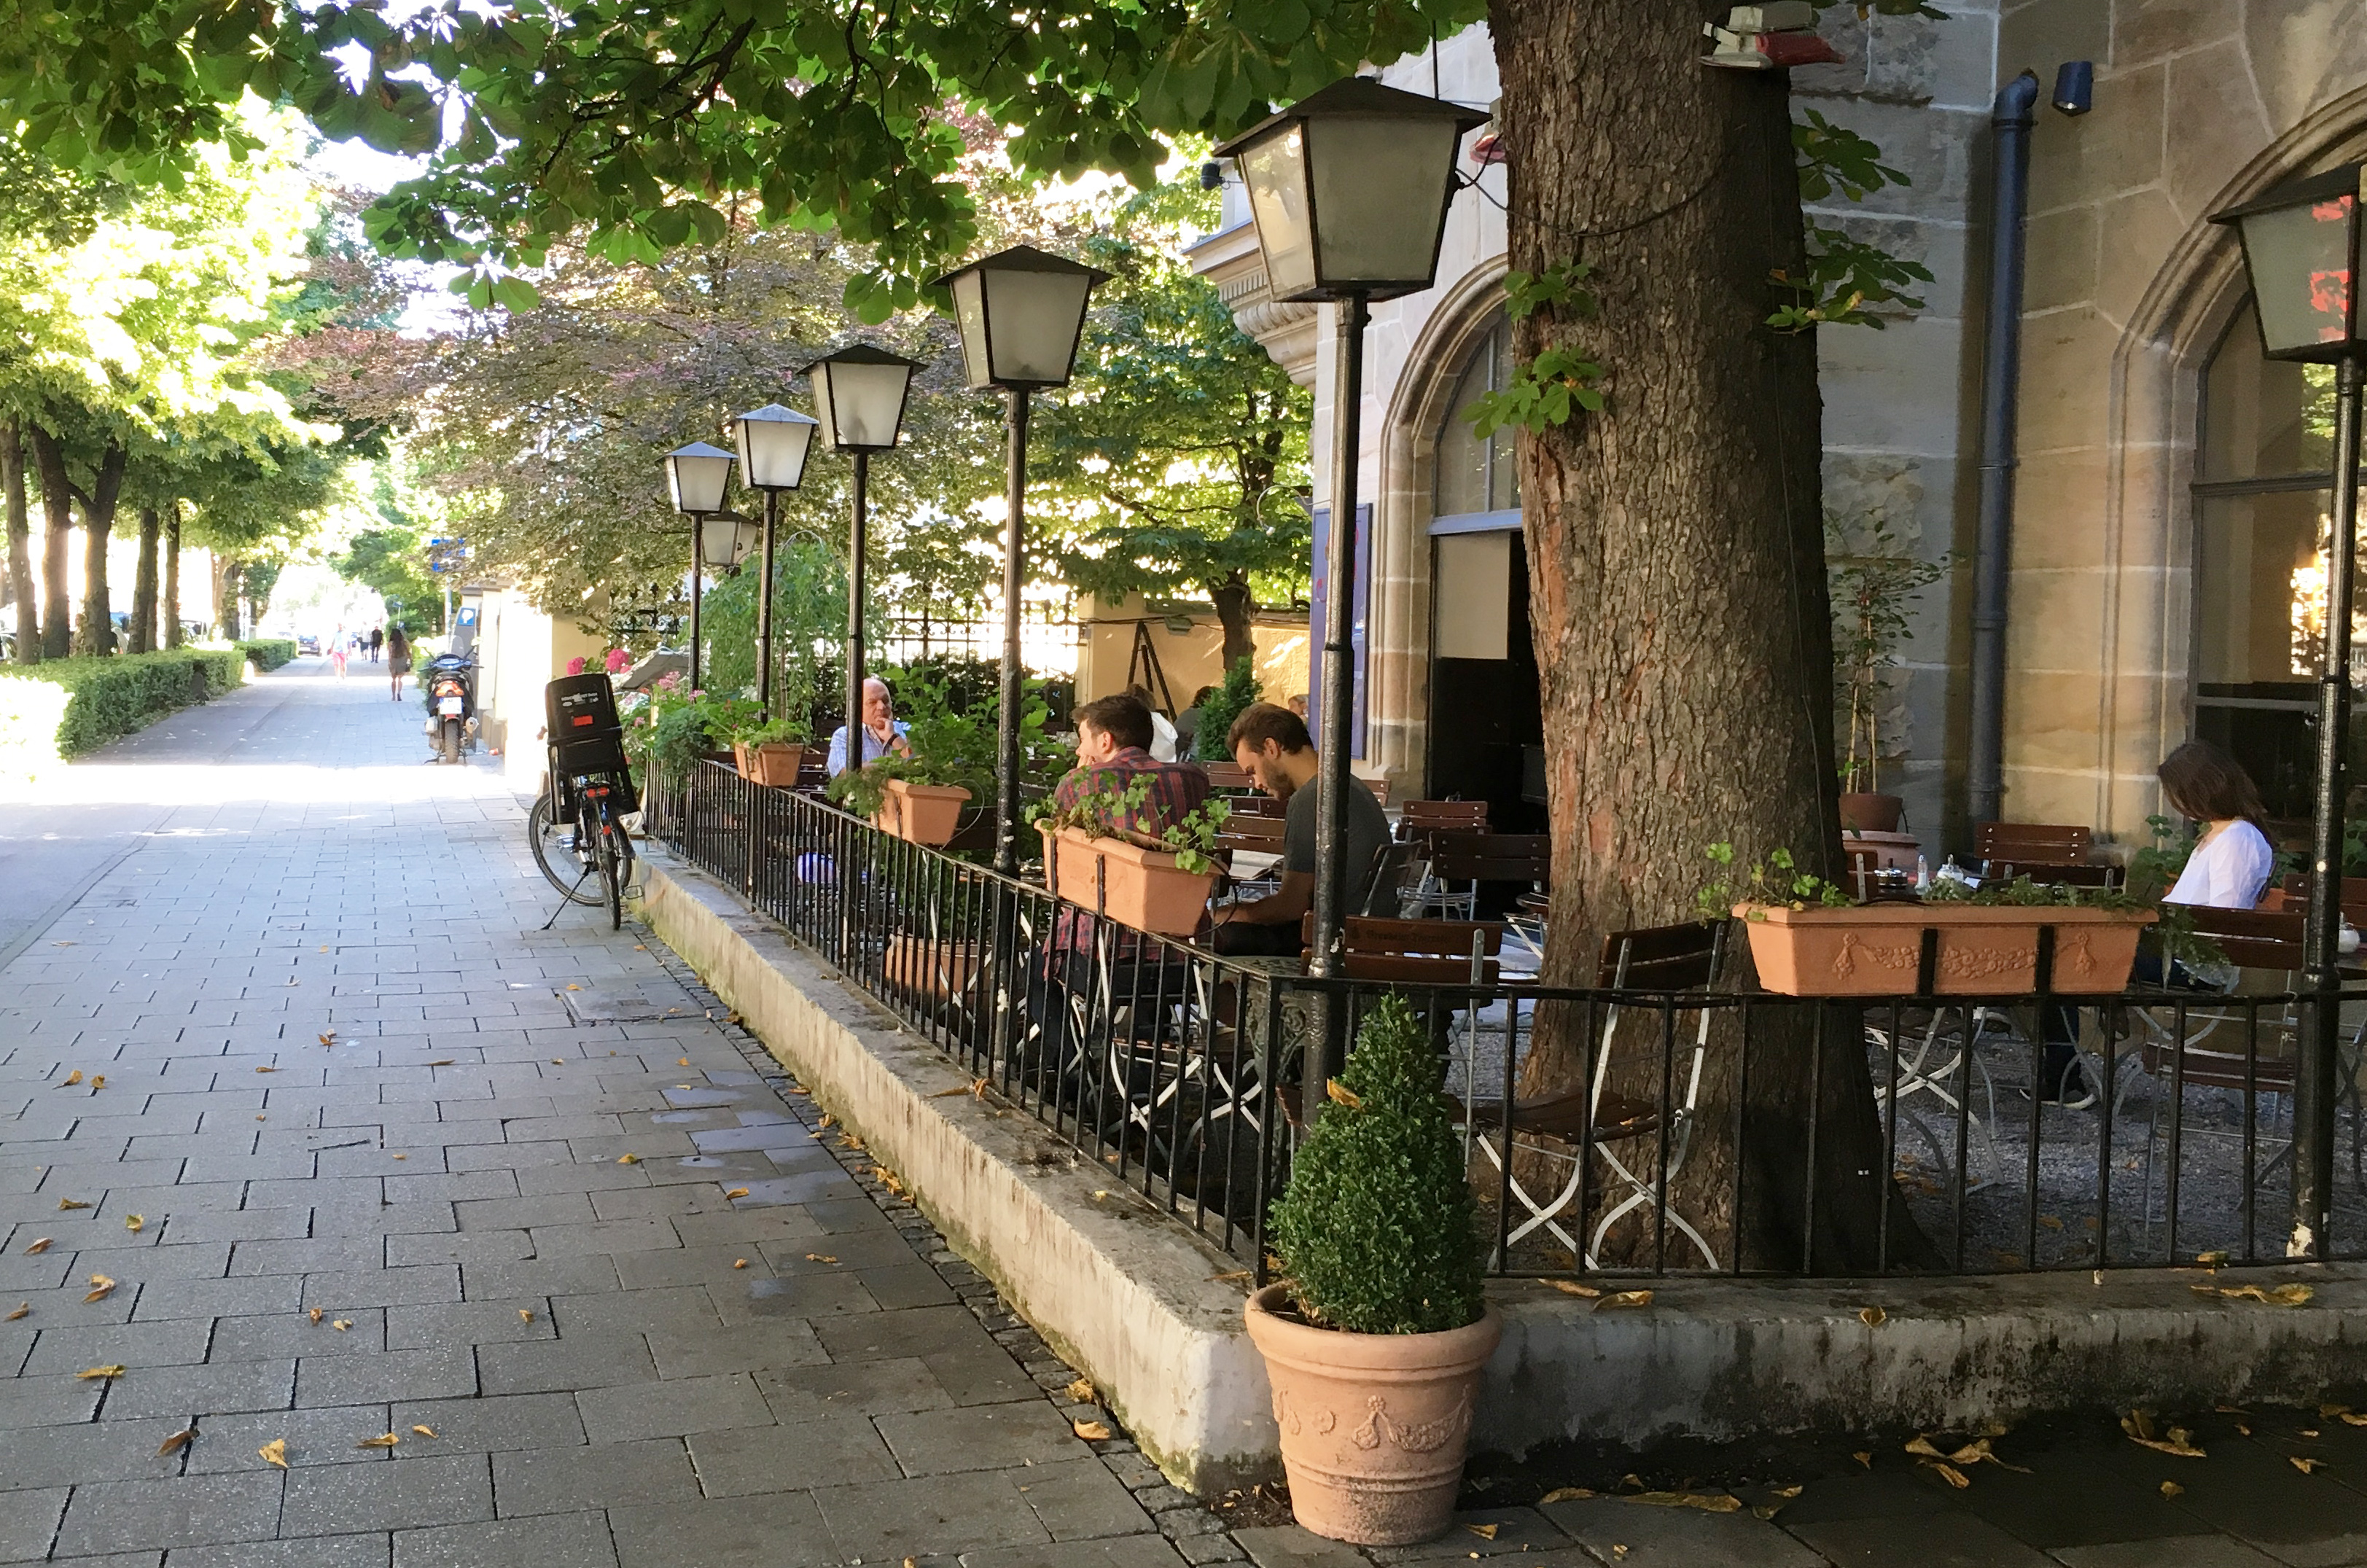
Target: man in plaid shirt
x=1113, y=755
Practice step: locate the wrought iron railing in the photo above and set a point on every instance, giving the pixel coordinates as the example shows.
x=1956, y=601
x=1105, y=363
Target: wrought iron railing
x=1652, y=1132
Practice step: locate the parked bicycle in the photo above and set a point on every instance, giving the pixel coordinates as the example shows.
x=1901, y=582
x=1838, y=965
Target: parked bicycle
x=577, y=827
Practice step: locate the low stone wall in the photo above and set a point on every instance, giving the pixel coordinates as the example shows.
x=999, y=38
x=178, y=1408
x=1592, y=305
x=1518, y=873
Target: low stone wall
x=1131, y=1296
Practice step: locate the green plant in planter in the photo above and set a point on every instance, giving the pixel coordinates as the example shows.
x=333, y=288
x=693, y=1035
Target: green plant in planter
x=783, y=731
x=1114, y=809
x=1212, y=742
x=1378, y=1232
x=1775, y=879
x=1874, y=586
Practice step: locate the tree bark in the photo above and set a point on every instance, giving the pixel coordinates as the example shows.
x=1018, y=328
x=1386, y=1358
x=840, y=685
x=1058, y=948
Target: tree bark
x=1234, y=603
x=96, y=633
x=57, y=531
x=1677, y=593
x=173, y=577
x=22, y=590
x=144, y=584
x=225, y=597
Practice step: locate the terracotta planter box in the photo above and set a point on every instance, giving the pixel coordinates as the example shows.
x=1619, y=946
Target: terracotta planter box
x=775, y=763
x=1132, y=885
x=942, y=970
x=1373, y=1426
x=1865, y=812
x=1874, y=950
x=920, y=813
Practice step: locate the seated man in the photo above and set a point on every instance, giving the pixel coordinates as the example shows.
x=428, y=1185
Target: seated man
x=1113, y=737
x=1271, y=744
x=883, y=733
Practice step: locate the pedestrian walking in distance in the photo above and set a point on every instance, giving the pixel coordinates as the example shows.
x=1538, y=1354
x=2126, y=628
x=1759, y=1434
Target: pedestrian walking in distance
x=337, y=652
x=378, y=641
x=397, y=657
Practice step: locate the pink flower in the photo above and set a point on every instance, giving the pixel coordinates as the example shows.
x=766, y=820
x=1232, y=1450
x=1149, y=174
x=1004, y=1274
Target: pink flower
x=575, y=665
x=670, y=681
x=619, y=661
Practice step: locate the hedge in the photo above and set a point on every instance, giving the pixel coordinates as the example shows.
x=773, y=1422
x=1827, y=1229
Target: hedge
x=62, y=707
x=267, y=652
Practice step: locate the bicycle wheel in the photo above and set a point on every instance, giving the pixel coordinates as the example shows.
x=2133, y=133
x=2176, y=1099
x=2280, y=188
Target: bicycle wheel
x=612, y=871
x=554, y=851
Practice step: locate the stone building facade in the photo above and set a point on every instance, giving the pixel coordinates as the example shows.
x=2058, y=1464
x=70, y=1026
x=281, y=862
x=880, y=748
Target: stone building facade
x=2171, y=488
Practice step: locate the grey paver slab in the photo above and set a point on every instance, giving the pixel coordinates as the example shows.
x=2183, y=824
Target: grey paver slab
x=195, y=1510
x=552, y=1541
x=555, y=1481
x=895, y=1520
x=748, y=1461
x=1964, y=1542
x=222, y=1386
x=1292, y=1546
x=673, y=1408
x=227, y=1443
x=981, y=1437
x=783, y=1531
x=28, y=1522
x=444, y=1490
x=313, y=1552
x=491, y=1424
x=1124, y=1552
x=2171, y=1552
x=396, y=1374
x=585, y=1362
x=33, y=1457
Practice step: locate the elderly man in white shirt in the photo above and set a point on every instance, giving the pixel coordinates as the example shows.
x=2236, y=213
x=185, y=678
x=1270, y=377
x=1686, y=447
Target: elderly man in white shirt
x=883, y=733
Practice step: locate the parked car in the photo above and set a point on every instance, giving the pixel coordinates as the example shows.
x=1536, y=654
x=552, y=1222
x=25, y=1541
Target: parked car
x=307, y=643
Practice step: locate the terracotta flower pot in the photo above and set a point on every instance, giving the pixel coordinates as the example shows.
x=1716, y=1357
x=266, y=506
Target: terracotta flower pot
x=1133, y=885
x=739, y=761
x=775, y=763
x=1373, y=1426
x=1862, y=812
x=939, y=969
x=1985, y=950
x=920, y=813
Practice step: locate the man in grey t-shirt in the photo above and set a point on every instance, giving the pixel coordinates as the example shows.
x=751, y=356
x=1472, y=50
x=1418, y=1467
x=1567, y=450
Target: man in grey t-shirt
x=1273, y=745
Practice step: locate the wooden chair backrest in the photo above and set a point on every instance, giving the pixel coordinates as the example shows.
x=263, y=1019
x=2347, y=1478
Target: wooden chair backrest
x=2065, y=876
x=1661, y=958
x=1422, y=817
x=1380, y=789
x=1258, y=833
x=2292, y=893
x=1491, y=856
x=1258, y=805
x=2254, y=938
x=1417, y=952
x=2032, y=844
x=1226, y=776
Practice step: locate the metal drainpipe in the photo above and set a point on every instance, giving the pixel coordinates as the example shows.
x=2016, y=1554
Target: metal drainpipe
x=2009, y=124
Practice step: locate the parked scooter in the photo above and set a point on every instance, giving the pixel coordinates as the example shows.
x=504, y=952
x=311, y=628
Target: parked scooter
x=449, y=682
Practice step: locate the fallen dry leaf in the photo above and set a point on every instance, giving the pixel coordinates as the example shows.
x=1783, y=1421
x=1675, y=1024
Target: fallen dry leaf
x=72, y=1203
x=941, y=1093
x=1230, y=1276
x=2352, y=1419
x=425, y=1431
x=682, y=1060
x=629, y=1159
x=267, y=1069
x=399, y=1156
x=314, y=1315
x=1708, y=1502
x=387, y=1440
x=442, y=1061
x=1340, y=1094
x=1572, y=1288
x=100, y=1285
x=329, y=1038
x=70, y=1079
x=2138, y=1425
x=526, y=1314
x=2051, y=1221
x=739, y=1262
x=1872, y=1317
x=1081, y=1391
x=115, y=1370
x=341, y=1325
x=1864, y=1458
x=2282, y=1296
x=274, y=1452
x=2172, y=1489
x=572, y=986
x=1625, y=1299
x=735, y=1193
x=1484, y=1532
x=134, y=1224
x=1565, y=1495
x=98, y=1081
x=23, y=1309
x=41, y=1245
x=1091, y=1431
x=819, y=1258
x=2211, y=1260
x=1618, y=1552
x=2304, y=1465
x=827, y=1120
x=1949, y=1474
x=176, y=1442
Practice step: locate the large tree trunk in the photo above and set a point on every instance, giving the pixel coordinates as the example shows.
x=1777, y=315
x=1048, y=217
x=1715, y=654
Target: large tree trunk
x=22, y=590
x=225, y=597
x=57, y=531
x=144, y=584
x=96, y=633
x=1677, y=585
x=1235, y=604
x=173, y=577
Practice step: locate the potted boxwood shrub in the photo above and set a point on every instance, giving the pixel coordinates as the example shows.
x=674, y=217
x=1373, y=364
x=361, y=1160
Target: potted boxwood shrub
x=770, y=752
x=1808, y=940
x=1376, y=1333
x=1102, y=853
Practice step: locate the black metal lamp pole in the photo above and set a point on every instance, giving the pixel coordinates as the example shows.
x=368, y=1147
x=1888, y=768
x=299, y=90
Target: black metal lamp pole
x=854, y=548
x=2315, y=1087
x=764, y=613
x=697, y=571
x=1015, y=676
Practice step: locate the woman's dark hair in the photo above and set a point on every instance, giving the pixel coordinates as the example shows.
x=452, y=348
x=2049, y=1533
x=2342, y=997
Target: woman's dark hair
x=2205, y=784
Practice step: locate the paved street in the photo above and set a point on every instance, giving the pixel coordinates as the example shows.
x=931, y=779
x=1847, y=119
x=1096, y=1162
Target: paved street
x=356, y=1154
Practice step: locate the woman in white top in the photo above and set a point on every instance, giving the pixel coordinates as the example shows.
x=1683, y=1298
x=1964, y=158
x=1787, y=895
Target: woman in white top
x=2229, y=868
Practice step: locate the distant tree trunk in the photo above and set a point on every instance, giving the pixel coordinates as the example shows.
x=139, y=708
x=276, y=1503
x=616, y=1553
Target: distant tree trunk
x=1235, y=604
x=57, y=531
x=1677, y=582
x=225, y=597
x=173, y=577
x=97, y=631
x=23, y=592
x=143, y=586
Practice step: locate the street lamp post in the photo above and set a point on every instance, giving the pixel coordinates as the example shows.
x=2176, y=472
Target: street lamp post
x=1349, y=189
x=2301, y=251
x=697, y=477
x=773, y=442
x=859, y=392
x=1021, y=312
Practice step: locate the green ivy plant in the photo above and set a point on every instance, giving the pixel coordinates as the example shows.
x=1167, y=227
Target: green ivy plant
x=1550, y=387
x=1846, y=280
x=1777, y=878
x=1378, y=1232
x=1114, y=808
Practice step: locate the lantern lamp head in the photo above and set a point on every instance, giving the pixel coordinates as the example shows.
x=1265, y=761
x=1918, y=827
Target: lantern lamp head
x=696, y=476
x=859, y=393
x=2301, y=251
x=1349, y=188
x=1021, y=312
x=772, y=443
x=725, y=538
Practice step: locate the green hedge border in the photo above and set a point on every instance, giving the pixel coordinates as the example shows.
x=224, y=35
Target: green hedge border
x=64, y=708
x=267, y=652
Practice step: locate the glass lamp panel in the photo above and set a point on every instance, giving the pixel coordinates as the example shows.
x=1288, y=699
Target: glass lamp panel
x=969, y=315
x=2300, y=261
x=1032, y=323
x=773, y=446
x=862, y=405
x=1380, y=198
x=719, y=542
x=696, y=476
x=1275, y=170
